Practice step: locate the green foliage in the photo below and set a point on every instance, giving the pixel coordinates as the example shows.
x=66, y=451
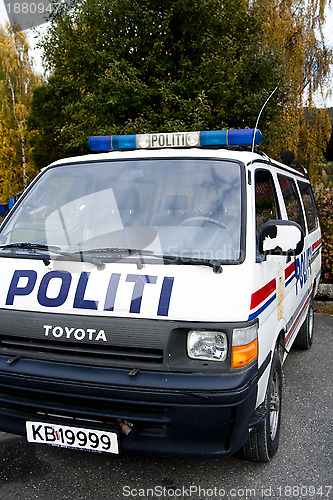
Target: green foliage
x=135, y=66
x=131, y=66
x=324, y=200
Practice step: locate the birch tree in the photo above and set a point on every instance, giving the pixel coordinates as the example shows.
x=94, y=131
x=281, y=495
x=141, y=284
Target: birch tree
x=294, y=28
x=17, y=80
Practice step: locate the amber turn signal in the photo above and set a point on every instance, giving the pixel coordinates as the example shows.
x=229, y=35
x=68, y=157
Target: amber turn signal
x=242, y=355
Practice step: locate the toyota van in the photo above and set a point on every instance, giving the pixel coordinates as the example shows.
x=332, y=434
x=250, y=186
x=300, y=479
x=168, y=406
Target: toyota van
x=150, y=293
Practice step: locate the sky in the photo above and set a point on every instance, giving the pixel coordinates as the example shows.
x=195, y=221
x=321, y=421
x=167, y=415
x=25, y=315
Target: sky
x=36, y=54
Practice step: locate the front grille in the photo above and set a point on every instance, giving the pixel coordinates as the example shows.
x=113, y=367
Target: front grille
x=13, y=345
x=124, y=342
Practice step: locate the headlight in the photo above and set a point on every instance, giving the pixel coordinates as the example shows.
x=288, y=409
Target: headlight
x=244, y=346
x=207, y=345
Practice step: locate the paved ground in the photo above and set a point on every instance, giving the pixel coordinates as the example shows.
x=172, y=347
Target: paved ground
x=302, y=468
x=324, y=307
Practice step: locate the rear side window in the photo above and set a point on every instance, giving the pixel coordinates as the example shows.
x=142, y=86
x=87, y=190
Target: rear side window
x=291, y=200
x=309, y=206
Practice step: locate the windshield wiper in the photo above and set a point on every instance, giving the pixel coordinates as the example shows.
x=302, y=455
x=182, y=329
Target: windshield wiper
x=115, y=251
x=119, y=252
x=33, y=246
x=44, y=248
x=78, y=255
x=127, y=252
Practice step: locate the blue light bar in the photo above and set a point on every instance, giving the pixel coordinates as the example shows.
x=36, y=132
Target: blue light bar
x=217, y=138
x=112, y=142
x=241, y=137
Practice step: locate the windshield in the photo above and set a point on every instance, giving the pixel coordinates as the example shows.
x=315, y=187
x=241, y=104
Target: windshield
x=188, y=208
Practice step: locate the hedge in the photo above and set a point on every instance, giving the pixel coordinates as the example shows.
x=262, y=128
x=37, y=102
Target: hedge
x=324, y=200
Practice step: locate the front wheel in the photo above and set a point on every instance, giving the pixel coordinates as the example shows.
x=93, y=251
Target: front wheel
x=263, y=441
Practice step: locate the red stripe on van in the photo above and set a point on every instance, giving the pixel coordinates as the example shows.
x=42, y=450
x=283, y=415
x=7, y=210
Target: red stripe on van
x=262, y=294
x=316, y=244
x=289, y=270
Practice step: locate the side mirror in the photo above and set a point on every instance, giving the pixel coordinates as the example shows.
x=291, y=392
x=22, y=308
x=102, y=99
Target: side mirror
x=281, y=237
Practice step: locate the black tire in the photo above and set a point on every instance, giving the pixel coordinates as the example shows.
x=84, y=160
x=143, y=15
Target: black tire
x=304, y=337
x=263, y=441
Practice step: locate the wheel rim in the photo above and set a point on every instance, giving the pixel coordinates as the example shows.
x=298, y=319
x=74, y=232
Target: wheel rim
x=274, y=408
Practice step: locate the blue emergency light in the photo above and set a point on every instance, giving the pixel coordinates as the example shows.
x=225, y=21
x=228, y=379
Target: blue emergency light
x=242, y=137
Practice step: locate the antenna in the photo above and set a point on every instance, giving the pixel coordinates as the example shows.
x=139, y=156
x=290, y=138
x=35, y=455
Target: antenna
x=255, y=128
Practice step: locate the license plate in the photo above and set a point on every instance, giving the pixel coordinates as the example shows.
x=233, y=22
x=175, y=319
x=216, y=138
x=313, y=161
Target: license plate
x=72, y=437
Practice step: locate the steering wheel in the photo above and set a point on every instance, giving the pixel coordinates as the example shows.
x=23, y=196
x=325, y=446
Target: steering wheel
x=204, y=219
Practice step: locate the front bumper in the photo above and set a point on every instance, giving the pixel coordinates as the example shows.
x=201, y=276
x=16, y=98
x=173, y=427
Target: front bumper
x=185, y=414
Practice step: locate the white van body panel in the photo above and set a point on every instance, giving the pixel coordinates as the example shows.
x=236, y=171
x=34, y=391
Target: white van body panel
x=199, y=296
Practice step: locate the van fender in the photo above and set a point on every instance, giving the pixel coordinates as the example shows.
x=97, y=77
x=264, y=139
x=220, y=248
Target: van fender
x=277, y=342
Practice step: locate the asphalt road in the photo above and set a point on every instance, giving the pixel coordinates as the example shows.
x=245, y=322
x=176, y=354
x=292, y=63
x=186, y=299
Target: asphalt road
x=302, y=468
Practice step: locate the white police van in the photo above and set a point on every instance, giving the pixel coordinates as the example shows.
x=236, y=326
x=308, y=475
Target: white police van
x=150, y=294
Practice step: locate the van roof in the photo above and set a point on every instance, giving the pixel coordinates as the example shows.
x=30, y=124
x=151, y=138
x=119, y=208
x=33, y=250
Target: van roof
x=248, y=158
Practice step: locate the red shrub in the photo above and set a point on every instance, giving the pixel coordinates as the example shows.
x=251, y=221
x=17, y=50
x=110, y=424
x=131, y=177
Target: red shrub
x=324, y=200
